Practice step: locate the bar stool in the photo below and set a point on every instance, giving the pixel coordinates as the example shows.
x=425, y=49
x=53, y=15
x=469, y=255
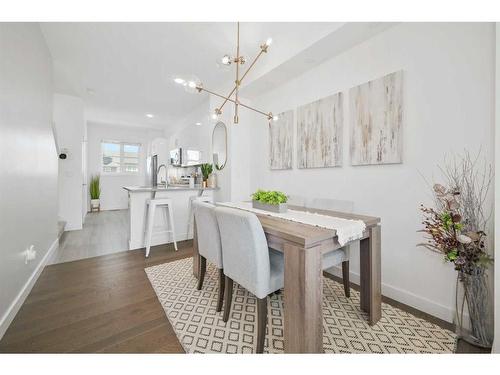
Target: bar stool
x=151, y=205
x=197, y=198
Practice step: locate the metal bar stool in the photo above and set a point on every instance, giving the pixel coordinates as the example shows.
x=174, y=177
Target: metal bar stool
x=166, y=205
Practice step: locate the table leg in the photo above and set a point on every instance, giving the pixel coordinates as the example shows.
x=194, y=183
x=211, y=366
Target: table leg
x=303, y=300
x=370, y=283
x=195, y=250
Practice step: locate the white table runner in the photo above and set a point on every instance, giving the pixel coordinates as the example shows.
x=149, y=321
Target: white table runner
x=347, y=230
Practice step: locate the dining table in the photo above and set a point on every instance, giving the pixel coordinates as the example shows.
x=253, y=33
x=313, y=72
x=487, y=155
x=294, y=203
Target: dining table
x=303, y=246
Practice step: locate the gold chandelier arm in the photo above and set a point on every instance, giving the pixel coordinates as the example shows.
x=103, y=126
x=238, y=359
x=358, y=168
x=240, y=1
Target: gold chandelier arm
x=268, y=115
x=252, y=64
x=262, y=50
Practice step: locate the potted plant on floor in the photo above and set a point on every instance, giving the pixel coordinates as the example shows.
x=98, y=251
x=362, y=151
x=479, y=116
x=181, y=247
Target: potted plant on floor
x=95, y=193
x=456, y=228
x=274, y=201
x=206, y=170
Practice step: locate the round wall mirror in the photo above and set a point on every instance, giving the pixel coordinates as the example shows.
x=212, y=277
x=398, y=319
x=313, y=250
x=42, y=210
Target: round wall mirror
x=219, y=145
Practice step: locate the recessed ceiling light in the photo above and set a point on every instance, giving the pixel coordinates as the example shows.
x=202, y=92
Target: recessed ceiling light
x=149, y=115
x=198, y=124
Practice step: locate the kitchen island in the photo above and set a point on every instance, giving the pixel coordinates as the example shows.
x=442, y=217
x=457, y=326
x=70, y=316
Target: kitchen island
x=180, y=195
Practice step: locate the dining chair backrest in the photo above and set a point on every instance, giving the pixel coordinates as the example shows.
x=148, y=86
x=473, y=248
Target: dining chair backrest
x=207, y=230
x=296, y=200
x=331, y=204
x=245, y=253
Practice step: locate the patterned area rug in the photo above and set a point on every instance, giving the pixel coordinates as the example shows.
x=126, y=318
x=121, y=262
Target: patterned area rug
x=200, y=328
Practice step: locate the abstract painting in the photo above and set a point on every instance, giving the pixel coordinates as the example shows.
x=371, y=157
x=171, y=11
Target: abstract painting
x=376, y=119
x=319, y=133
x=281, y=141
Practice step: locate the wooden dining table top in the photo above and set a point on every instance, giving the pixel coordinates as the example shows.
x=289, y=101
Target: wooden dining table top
x=305, y=234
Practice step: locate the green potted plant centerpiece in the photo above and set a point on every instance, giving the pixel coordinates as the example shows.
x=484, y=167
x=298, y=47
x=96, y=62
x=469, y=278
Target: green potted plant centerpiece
x=206, y=170
x=274, y=201
x=95, y=193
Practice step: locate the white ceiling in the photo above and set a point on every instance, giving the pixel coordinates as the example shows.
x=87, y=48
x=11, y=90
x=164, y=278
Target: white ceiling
x=335, y=43
x=129, y=65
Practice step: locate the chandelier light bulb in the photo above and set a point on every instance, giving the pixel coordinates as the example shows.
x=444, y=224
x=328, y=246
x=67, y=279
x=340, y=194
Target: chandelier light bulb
x=226, y=60
x=214, y=116
x=191, y=84
x=275, y=118
x=179, y=81
x=269, y=41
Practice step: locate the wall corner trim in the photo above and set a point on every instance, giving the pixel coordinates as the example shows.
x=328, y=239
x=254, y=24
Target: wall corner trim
x=14, y=307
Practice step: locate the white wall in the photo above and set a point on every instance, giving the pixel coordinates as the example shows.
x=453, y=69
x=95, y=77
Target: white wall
x=190, y=135
x=28, y=163
x=496, y=344
x=69, y=119
x=113, y=197
x=449, y=91
x=240, y=151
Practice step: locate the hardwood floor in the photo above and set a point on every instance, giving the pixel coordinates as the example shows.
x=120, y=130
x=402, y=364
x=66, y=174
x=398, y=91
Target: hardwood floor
x=103, y=233
x=101, y=304
x=106, y=304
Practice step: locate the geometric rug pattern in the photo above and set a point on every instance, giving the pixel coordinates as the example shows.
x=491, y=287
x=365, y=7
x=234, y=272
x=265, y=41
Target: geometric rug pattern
x=200, y=328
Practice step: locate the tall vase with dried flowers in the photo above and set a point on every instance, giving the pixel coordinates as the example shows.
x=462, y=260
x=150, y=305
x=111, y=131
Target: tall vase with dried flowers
x=456, y=227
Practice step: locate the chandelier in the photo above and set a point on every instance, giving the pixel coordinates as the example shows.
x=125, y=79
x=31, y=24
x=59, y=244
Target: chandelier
x=193, y=84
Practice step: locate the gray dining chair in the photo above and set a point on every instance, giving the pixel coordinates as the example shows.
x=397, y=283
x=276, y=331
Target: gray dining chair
x=248, y=260
x=209, y=245
x=339, y=256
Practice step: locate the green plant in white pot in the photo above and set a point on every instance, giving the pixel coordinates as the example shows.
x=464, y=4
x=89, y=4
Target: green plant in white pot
x=95, y=193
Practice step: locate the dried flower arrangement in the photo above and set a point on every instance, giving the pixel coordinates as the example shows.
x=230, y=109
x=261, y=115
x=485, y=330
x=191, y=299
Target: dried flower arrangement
x=456, y=228
x=447, y=234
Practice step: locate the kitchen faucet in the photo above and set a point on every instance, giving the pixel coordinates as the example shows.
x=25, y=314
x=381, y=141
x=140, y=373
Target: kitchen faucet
x=158, y=172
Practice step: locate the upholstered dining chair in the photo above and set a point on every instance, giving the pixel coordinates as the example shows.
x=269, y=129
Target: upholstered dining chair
x=209, y=245
x=339, y=256
x=248, y=260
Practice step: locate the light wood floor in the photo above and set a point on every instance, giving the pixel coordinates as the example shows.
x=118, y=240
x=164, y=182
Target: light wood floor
x=103, y=233
x=107, y=304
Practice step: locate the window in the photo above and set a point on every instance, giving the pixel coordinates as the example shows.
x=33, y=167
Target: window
x=120, y=157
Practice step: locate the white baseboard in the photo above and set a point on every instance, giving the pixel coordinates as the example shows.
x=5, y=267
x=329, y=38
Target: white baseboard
x=114, y=208
x=70, y=227
x=14, y=307
x=418, y=302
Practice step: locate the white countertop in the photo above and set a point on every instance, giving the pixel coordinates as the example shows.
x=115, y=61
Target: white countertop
x=134, y=189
